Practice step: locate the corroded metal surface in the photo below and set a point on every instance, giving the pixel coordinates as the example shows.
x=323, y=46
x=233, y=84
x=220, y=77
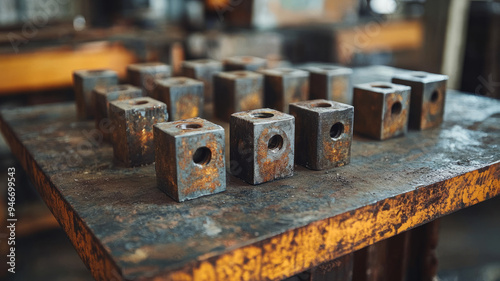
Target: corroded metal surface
x=330, y=82
x=103, y=96
x=133, y=120
x=381, y=109
x=237, y=91
x=428, y=93
x=244, y=63
x=262, y=145
x=283, y=86
x=204, y=71
x=323, y=133
x=143, y=75
x=190, y=158
x=123, y=226
x=183, y=96
x=84, y=82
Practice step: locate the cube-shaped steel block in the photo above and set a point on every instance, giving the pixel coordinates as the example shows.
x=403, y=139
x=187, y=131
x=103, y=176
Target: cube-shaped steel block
x=283, y=86
x=84, y=82
x=323, y=133
x=244, y=63
x=381, y=109
x=237, y=91
x=143, y=75
x=183, y=96
x=204, y=71
x=133, y=122
x=103, y=96
x=190, y=158
x=262, y=145
x=330, y=83
x=428, y=93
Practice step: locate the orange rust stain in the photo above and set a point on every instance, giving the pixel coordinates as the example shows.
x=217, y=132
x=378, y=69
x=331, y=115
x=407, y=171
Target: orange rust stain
x=296, y=250
x=251, y=101
x=187, y=107
x=394, y=123
x=432, y=112
x=269, y=167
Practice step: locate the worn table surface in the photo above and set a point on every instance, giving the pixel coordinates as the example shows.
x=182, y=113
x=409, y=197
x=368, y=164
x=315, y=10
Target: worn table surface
x=124, y=227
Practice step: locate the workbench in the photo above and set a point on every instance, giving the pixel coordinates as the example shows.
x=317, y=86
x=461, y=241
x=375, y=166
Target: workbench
x=124, y=227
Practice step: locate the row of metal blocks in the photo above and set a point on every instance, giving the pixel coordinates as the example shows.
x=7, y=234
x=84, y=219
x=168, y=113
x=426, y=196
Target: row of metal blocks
x=189, y=152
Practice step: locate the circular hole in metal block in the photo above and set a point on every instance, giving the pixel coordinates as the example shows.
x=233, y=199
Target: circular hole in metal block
x=275, y=143
x=336, y=130
x=381, y=86
x=202, y=156
x=435, y=96
x=188, y=126
x=396, y=108
x=322, y=104
x=262, y=115
x=138, y=102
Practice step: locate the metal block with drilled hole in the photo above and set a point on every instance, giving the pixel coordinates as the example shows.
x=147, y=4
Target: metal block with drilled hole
x=262, y=145
x=190, y=158
x=381, y=109
x=84, y=82
x=183, y=96
x=133, y=120
x=237, y=91
x=283, y=86
x=103, y=96
x=428, y=93
x=204, y=71
x=143, y=75
x=323, y=133
x=330, y=83
x=244, y=63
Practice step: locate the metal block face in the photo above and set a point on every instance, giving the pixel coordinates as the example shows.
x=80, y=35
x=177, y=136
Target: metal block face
x=244, y=63
x=428, y=93
x=183, y=96
x=381, y=109
x=237, y=91
x=84, y=82
x=204, y=71
x=330, y=83
x=143, y=75
x=190, y=159
x=103, y=96
x=283, y=86
x=133, y=120
x=262, y=145
x=323, y=133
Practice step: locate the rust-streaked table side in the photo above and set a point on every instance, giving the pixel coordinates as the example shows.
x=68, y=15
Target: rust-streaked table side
x=123, y=227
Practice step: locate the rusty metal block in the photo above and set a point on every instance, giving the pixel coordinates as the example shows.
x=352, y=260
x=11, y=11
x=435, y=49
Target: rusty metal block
x=283, y=86
x=84, y=82
x=204, y=71
x=323, y=133
x=103, y=96
x=183, y=96
x=262, y=145
x=133, y=120
x=381, y=109
x=190, y=158
x=244, y=63
x=143, y=75
x=330, y=83
x=237, y=91
x=428, y=93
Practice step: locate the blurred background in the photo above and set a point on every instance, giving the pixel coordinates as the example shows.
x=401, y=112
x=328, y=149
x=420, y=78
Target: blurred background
x=42, y=42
